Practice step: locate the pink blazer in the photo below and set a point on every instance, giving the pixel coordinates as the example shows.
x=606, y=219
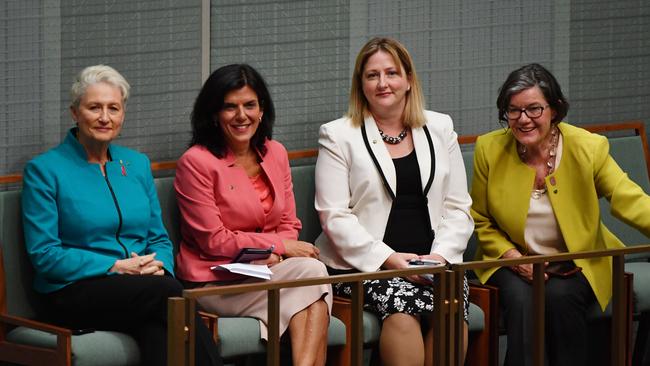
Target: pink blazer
x=221, y=212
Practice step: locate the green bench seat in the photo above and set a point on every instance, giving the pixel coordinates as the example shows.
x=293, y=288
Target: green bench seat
x=97, y=348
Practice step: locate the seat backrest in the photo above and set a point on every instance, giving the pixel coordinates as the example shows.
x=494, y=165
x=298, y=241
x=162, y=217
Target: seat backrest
x=21, y=299
x=304, y=180
x=629, y=154
x=169, y=207
x=468, y=160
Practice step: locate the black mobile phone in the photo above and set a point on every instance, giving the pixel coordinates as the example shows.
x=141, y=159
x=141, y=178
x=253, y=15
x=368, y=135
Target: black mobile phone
x=424, y=262
x=250, y=254
x=562, y=269
x=81, y=331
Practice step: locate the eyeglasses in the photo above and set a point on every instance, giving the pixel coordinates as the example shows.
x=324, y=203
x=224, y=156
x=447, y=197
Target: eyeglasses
x=531, y=112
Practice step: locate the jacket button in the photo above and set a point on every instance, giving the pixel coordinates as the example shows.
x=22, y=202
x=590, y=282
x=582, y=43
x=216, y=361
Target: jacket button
x=258, y=229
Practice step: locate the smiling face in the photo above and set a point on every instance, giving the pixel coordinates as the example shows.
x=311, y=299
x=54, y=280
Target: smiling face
x=240, y=117
x=531, y=132
x=100, y=114
x=384, y=84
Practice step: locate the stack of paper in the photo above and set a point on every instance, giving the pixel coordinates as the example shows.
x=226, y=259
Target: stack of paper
x=253, y=270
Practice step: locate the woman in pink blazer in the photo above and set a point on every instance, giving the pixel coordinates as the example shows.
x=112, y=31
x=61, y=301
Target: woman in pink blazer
x=234, y=191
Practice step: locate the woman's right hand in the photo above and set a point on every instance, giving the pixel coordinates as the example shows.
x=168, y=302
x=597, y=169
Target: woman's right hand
x=297, y=248
x=139, y=265
x=399, y=260
x=524, y=270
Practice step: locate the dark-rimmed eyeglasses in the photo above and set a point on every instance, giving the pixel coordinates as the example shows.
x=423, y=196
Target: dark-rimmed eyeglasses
x=530, y=111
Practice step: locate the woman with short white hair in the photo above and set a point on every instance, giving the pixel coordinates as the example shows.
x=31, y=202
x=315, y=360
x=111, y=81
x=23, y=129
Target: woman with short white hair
x=93, y=227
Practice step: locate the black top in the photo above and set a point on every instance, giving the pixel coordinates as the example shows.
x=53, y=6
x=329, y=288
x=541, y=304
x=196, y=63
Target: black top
x=407, y=171
x=408, y=228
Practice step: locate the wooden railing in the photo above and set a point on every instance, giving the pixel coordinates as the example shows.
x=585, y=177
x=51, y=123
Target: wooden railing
x=635, y=125
x=619, y=310
x=447, y=317
x=181, y=327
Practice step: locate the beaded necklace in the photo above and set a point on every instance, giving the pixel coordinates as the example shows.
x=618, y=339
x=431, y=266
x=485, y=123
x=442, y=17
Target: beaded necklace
x=391, y=139
x=550, y=163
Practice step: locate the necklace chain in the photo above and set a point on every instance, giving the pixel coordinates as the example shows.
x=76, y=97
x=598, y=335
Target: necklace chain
x=550, y=162
x=393, y=140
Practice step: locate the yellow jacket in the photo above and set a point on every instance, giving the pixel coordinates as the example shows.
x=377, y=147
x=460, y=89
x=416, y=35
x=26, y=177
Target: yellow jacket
x=501, y=193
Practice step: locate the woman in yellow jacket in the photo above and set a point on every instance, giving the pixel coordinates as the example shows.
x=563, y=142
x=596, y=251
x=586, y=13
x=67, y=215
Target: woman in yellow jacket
x=535, y=191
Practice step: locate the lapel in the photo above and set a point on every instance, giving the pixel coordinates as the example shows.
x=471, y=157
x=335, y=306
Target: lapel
x=421, y=146
x=516, y=181
x=240, y=178
x=381, y=153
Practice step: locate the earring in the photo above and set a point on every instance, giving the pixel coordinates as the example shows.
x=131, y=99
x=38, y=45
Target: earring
x=260, y=120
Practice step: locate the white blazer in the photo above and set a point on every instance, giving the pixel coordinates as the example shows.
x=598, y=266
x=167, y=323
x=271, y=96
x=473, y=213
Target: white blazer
x=353, y=204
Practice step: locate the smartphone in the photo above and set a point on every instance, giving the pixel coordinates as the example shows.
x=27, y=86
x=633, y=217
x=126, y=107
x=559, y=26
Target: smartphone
x=250, y=254
x=424, y=262
x=562, y=269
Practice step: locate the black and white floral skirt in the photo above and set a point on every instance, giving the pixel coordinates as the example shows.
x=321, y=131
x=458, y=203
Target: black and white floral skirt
x=385, y=297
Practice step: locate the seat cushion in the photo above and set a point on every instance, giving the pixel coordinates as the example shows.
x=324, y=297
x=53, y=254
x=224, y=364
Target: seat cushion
x=641, y=273
x=100, y=348
x=241, y=336
x=371, y=328
x=476, y=318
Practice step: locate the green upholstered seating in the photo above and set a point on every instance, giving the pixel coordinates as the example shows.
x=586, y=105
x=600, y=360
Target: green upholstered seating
x=629, y=153
x=97, y=348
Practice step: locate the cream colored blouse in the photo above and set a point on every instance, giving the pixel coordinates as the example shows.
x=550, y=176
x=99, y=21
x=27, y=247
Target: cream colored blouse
x=542, y=233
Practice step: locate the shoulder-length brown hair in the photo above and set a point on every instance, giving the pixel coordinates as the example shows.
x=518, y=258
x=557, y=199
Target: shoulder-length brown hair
x=358, y=104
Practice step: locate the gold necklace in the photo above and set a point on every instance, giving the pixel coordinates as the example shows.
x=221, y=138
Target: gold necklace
x=550, y=163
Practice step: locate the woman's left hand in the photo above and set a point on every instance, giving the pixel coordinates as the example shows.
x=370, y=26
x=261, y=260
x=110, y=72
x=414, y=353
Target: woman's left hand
x=299, y=248
x=435, y=257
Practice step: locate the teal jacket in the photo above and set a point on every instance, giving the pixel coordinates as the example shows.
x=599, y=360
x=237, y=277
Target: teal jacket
x=77, y=222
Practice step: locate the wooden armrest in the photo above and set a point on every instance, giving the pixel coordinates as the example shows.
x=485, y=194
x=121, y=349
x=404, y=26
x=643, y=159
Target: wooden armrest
x=484, y=349
x=211, y=321
x=19, y=353
x=33, y=324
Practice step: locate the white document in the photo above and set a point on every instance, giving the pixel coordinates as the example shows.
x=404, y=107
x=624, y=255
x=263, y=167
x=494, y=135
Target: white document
x=254, y=270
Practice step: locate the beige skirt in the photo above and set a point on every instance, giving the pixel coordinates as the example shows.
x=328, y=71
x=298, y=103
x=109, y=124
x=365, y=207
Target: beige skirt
x=292, y=300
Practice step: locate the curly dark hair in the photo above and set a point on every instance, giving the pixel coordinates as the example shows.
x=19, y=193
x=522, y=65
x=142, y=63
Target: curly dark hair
x=206, y=131
x=527, y=77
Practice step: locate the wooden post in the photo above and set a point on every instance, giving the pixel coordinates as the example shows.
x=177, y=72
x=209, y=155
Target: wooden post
x=356, y=353
x=273, y=344
x=539, y=303
x=618, y=311
x=176, y=333
x=440, y=311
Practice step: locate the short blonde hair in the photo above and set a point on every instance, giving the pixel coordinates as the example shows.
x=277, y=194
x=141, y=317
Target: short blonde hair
x=358, y=105
x=97, y=74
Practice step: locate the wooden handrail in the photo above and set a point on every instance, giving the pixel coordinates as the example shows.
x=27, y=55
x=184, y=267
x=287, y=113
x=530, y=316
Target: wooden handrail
x=447, y=307
x=503, y=262
x=180, y=332
x=636, y=125
x=618, y=302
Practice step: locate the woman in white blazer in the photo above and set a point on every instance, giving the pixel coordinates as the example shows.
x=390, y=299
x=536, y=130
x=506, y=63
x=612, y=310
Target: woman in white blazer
x=391, y=187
